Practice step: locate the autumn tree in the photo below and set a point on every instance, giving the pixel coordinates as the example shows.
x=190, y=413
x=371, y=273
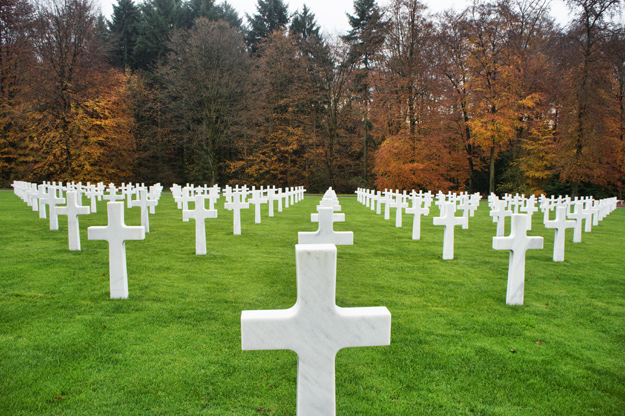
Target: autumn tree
x=415, y=152
x=615, y=51
x=205, y=81
x=365, y=39
x=584, y=151
x=16, y=57
x=65, y=41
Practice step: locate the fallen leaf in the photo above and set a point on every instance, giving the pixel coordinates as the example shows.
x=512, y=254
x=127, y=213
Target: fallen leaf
x=546, y=304
x=557, y=277
x=58, y=398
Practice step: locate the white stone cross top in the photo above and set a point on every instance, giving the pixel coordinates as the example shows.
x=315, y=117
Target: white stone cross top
x=588, y=205
x=315, y=329
x=199, y=214
x=213, y=197
x=499, y=214
x=53, y=201
x=387, y=198
x=144, y=203
x=116, y=233
x=464, y=205
x=236, y=205
x=529, y=208
x=518, y=243
x=92, y=194
x=326, y=234
x=417, y=210
x=399, y=203
x=271, y=196
x=188, y=195
x=449, y=220
x=257, y=200
x=380, y=200
x=43, y=196
x=112, y=194
x=73, y=209
x=578, y=216
x=560, y=224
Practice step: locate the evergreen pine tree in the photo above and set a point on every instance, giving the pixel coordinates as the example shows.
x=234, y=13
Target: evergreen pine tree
x=158, y=19
x=305, y=25
x=123, y=31
x=272, y=15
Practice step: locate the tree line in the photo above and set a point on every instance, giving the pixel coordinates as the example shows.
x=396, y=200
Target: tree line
x=492, y=98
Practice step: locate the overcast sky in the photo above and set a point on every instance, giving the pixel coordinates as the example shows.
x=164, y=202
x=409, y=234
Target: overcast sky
x=331, y=16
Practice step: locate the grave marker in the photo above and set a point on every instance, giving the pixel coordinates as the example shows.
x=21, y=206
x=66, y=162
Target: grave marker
x=53, y=201
x=449, y=220
x=315, y=329
x=326, y=234
x=560, y=224
x=518, y=243
x=144, y=203
x=73, y=209
x=417, y=210
x=199, y=214
x=236, y=206
x=116, y=233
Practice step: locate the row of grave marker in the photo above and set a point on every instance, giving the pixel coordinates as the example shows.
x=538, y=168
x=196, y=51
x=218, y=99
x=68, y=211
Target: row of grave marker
x=38, y=196
x=518, y=242
x=315, y=328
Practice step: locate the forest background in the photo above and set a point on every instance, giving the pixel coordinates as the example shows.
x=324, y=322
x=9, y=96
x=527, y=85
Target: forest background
x=492, y=98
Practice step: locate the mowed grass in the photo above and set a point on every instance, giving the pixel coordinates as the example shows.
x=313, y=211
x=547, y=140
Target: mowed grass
x=174, y=347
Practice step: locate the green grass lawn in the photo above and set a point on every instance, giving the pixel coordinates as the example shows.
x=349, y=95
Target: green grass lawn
x=174, y=347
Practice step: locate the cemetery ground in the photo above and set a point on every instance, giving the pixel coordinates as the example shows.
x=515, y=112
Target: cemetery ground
x=174, y=347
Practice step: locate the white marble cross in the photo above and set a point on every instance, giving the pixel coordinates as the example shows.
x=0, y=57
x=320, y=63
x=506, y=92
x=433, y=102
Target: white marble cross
x=112, y=194
x=578, y=216
x=326, y=234
x=315, y=329
x=199, y=214
x=92, y=194
x=588, y=213
x=116, y=233
x=144, y=203
x=560, y=224
x=417, y=210
x=53, y=201
x=529, y=208
x=271, y=197
x=518, y=242
x=499, y=214
x=386, y=200
x=236, y=206
x=188, y=195
x=257, y=200
x=43, y=197
x=399, y=203
x=449, y=220
x=73, y=209
x=464, y=205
